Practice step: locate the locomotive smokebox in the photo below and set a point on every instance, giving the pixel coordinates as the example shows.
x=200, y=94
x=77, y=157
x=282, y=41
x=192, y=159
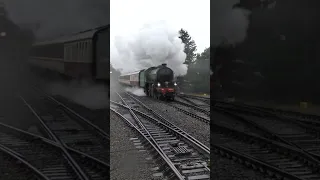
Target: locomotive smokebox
x=164, y=64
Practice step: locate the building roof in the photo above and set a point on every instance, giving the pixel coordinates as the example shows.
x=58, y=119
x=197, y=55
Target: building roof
x=88, y=34
x=135, y=72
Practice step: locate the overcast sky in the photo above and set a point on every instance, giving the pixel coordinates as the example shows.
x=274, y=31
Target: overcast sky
x=59, y=16
x=194, y=16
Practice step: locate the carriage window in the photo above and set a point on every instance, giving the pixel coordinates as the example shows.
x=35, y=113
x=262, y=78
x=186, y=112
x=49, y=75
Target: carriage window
x=82, y=51
x=66, y=53
x=78, y=52
x=74, y=52
x=89, y=49
x=86, y=51
x=69, y=53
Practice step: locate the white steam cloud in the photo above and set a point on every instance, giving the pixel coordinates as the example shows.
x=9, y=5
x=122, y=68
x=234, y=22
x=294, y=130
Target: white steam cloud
x=229, y=25
x=136, y=91
x=152, y=45
x=86, y=94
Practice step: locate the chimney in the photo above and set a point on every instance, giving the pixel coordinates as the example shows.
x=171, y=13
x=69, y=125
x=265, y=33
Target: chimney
x=164, y=64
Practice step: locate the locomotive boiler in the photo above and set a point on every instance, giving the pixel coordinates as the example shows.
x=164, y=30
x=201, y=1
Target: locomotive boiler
x=157, y=82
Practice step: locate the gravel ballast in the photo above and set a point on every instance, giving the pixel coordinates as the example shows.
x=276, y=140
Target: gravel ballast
x=195, y=127
x=128, y=160
x=221, y=168
x=99, y=117
x=226, y=169
x=15, y=113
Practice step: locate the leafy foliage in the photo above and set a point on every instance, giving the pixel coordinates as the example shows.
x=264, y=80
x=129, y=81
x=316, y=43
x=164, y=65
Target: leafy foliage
x=190, y=46
x=198, y=76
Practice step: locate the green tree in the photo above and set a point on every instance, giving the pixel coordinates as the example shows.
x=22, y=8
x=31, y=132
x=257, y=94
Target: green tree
x=198, y=74
x=190, y=46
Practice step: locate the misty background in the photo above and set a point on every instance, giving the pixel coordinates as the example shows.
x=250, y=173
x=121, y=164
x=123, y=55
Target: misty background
x=154, y=44
x=173, y=32
x=276, y=59
x=49, y=19
x=228, y=24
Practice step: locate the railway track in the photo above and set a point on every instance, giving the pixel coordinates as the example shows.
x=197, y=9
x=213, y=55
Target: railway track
x=201, y=113
x=191, y=110
x=45, y=155
x=271, y=158
x=98, y=117
x=184, y=157
x=201, y=108
x=306, y=118
x=68, y=130
x=14, y=167
x=195, y=100
x=293, y=132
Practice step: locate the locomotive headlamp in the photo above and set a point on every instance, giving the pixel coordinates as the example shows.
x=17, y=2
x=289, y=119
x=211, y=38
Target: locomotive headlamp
x=3, y=34
x=175, y=84
x=159, y=84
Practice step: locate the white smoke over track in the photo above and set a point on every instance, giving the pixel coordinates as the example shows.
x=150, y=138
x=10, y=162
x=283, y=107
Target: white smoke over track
x=154, y=44
x=136, y=91
x=85, y=93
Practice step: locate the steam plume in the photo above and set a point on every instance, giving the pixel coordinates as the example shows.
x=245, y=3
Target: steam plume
x=228, y=24
x=86, y=94
x=152, y=45
x=136, y=91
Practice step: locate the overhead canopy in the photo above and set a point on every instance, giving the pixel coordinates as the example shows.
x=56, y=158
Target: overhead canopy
x=88, y=34
x=135, y=72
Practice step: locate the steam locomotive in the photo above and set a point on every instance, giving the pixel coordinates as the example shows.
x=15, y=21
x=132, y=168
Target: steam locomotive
x=157, y=82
